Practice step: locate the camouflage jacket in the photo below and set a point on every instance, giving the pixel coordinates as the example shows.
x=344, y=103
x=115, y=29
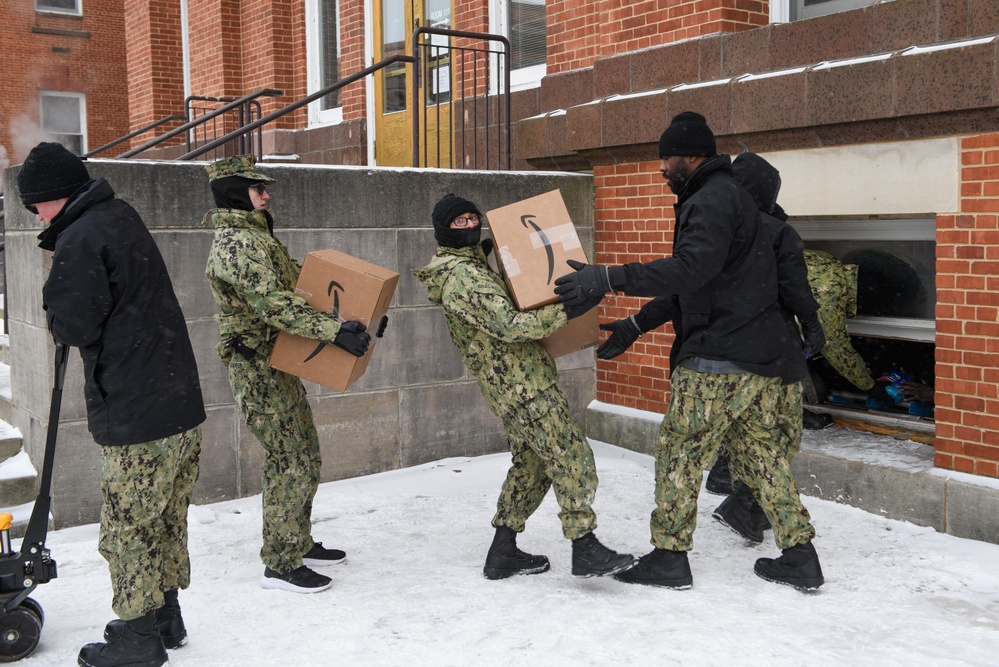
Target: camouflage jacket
x=497, y=341
x=253, y=278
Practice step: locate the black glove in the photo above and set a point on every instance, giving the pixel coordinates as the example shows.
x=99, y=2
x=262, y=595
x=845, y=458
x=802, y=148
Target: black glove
x=623, y=335
x=487, y=246
x=577, y=309
x=352, y=338
x=815, y=339
x=589, y=282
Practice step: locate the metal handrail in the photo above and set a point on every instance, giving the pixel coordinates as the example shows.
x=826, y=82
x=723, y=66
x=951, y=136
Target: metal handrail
x=161, y=121
x=244, y=111
x=267, y=92
x=296, y=105
x=417, y=89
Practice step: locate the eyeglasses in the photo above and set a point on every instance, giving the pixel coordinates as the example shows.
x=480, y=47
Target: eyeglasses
x=260, y=188
x=32, y=208
x=461, y=223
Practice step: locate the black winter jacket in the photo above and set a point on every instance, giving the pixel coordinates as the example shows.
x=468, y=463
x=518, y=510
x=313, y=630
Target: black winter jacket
x=722, y=277
x=109, y=294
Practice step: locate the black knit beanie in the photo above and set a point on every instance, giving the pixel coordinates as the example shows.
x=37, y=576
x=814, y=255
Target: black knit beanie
x=445, y=211
x=688, y=135
x=50, y=172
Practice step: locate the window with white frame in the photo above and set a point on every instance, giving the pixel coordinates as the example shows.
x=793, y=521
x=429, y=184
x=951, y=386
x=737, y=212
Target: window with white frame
x=523, y=23
x=806, y=9
x=63, y=116
x=61, y=6
x=323, y=46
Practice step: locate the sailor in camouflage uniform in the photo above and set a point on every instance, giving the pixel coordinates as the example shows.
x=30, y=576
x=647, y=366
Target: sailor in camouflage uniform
x=518, y=379
x=109, y=294
x=834, y=286
x=253, y=276
x=727, y=365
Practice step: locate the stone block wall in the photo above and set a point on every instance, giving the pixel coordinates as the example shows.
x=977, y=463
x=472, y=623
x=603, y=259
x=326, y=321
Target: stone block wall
x=416, y=402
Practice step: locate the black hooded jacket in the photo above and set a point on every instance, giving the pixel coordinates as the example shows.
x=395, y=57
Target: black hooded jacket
x=109, y=294
x=762, y=180
x=721, y=278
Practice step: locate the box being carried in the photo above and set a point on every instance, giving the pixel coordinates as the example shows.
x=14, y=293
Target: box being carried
x=534, y=238
x=349, y=288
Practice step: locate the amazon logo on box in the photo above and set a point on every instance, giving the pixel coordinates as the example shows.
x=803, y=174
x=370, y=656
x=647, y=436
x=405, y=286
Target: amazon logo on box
x=534, y=238
x=349, y=289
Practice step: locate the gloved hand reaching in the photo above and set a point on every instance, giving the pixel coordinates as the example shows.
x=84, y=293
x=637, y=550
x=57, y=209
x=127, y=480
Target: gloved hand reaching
x=587, y=285
x=575, y=310
x=815, y=339
x=623, y=335
x=352, y=338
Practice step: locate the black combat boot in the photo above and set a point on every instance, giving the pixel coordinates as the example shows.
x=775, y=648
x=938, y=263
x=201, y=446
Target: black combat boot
x=760, y=520
x=798, y=566
x=505, y=559
x=137, y=645
x=592, y=559
x=815, y=421
x=169, y=623
x=660, y=567
x=719, y=478
x=737, y=513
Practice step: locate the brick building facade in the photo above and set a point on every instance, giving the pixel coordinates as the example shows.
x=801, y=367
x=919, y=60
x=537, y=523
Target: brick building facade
x=64, y=74
x=901, y=96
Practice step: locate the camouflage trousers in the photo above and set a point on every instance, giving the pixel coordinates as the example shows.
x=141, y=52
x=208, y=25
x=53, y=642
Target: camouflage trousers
x=147, y=489
x=705, y=410
x=789, y=408
x=278, y=414
x=832, y=290
x=549, y=450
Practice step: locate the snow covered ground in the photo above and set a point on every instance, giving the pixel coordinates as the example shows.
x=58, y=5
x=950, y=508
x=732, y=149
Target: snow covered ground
x=412, y=592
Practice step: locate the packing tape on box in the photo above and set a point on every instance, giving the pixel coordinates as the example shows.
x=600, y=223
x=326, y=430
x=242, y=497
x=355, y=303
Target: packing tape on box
x=564, y=234
x=510, y=264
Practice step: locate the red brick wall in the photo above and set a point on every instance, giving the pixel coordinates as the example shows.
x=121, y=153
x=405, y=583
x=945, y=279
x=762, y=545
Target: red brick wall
x=967, y=345
x=633, y=222
x=271, y=58
x=352, y=98
x=90, y=59
x=155, y=62
x=580, y=31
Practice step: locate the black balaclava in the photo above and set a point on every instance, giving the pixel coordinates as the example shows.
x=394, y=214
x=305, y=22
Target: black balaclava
x=445, y=211
x=232, y=192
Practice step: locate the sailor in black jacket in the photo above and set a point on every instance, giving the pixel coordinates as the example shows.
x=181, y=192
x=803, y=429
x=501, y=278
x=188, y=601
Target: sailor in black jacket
x=108, y=293
x=728, y=363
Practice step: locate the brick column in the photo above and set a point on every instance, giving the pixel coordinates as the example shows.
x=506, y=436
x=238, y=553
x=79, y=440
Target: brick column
x=633, y=222
x=155, y=62
x=967, y=343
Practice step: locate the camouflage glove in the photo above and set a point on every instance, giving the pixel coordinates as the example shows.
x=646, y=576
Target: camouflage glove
x=623, y=335
x=352, y=338
x=815, y=339
x=587, y=285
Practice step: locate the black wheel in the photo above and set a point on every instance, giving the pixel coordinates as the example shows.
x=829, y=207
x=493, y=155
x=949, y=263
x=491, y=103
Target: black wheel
x=19, y=631
x=32, y=604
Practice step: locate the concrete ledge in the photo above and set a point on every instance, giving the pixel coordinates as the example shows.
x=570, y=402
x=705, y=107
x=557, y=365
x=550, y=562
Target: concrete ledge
x=876, y=473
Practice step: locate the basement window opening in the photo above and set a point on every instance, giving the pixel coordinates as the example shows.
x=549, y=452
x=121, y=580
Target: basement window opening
x=893, y=327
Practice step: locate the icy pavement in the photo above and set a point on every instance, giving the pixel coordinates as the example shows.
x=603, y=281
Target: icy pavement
x=412, y=592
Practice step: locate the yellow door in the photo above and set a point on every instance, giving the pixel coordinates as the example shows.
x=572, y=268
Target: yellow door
x=394, y=23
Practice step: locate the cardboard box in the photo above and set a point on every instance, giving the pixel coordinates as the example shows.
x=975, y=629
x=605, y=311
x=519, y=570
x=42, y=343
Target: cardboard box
x=352, y=289
x=534, y=238
x=577, y=335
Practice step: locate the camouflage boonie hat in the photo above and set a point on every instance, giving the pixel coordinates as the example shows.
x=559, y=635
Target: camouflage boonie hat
x=239, y=165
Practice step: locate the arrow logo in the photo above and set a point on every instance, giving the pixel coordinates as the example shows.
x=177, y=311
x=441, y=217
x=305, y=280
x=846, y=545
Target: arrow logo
x=529, y=220
x=336, y=314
